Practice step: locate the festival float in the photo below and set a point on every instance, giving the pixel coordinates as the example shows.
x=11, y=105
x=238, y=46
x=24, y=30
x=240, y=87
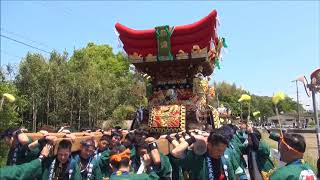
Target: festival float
x=177, y=62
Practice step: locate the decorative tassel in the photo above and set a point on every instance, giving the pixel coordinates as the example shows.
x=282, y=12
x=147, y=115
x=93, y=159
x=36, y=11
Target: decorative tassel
x=217, y=64
x=218, y=20
x=120, y=44
x=9, y=97
x=277, y=97
x=211, y=43
x=224, y=43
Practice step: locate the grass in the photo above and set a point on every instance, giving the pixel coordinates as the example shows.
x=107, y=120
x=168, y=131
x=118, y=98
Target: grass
x=308, y=156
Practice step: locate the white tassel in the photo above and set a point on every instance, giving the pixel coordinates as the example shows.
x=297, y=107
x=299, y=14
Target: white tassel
x=225, y=51
x=218, y=20
x=116, y=32
x=141, y=167
x=120, y=44
x=211, y=43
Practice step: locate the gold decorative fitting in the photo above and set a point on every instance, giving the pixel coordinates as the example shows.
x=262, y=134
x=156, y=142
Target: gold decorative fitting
x=136, y=58
x=180, y=52
x=151, y=58
x=164, y=44
x=182, y=55
x=183, y=118
x=197, y=52
x=212, y=53
x=196, y=48
x=163, y=33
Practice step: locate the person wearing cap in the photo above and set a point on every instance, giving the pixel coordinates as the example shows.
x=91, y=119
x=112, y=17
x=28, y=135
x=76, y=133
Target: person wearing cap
x=235, y=143
x=18, y=142
x=242, y=138
x=292, y=147
x=212, y=164
x=61, y=166
x=231, y=154
x=120, y=164
x=274, y=136
x=258, y=154
x=242, y=135
x=263, y=160
x=161, y=163
x=26, y=170
x=87, y=162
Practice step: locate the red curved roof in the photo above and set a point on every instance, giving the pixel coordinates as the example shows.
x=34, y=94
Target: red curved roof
x=183, y=37
x=315, y=73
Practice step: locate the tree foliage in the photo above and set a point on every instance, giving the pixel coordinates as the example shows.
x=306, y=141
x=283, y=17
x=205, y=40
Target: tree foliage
x=229, y=95
x=90, y=86
x=10, y=113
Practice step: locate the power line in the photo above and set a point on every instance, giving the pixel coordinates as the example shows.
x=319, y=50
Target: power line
x=20, y=42
x=24, y=37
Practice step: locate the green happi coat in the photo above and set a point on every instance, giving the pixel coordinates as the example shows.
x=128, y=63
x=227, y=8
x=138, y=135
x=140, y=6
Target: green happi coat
x=130, y=176
x=23, y=171
x=103, y=161
x=46, y=167
x=236, y=143
x=95, y=169
x=263, y=159
x=197, y=165
x=295, y=170
x=23, y=154
x=163, y=171
x=236, y=139
x=242, y=135
x=230, y=154
x=177, y=171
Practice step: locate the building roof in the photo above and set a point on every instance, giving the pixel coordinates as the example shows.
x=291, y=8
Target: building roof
x=281, y=117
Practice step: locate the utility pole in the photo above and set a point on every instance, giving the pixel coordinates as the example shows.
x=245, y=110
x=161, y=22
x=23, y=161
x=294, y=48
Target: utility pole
x=298, y=108
x=315, y=113
x=218, y=99
x=241, y=110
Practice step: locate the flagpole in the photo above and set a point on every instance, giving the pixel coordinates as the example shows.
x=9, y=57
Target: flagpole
x=315, y=113
x=241, y=110
x=298, y=109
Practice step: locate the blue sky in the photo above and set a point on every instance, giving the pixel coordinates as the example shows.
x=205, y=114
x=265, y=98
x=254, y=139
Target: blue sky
x=270, y=43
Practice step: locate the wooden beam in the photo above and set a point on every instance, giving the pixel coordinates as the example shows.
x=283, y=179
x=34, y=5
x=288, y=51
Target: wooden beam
x=163, y=145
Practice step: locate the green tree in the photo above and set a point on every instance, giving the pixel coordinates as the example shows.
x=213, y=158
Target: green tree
x=229, y=94
x=29, y=81
x=10, y=113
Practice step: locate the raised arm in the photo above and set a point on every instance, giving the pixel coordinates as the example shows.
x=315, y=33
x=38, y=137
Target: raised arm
x=26, y=170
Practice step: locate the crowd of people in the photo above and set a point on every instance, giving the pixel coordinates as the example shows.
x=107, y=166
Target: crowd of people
x=121, y=154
